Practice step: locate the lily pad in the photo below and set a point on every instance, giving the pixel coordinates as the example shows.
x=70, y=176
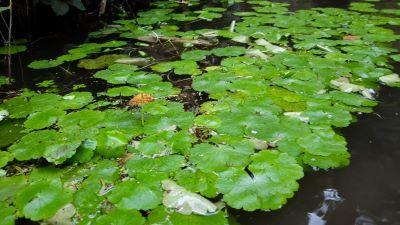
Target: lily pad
x=99, y=62
x=229, y=51
x=40, y=120
x=195, y=55
x=45, y=64
x=42, y=199
x=13, y=49
x=161, y=215
x=5, y=80
x=132, y=194
x=271, y=181
x=120, y=217
x=209, y=158
x=164, y=164
x=183, y=67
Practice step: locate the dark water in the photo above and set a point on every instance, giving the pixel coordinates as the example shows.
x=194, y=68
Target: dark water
x=365, y=193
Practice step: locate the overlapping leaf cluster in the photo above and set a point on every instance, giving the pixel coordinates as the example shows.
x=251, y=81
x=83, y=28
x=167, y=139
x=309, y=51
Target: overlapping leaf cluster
x=282, y=89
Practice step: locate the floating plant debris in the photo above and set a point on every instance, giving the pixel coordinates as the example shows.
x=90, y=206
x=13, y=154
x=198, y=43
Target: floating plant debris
x=272, y=89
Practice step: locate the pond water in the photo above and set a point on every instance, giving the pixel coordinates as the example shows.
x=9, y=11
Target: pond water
x=365, y=193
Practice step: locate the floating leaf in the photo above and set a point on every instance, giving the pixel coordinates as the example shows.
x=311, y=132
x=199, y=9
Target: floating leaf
x=40, y=120
x=42, y=199
x=210, y=158
x=271, y=181
x=164, y=164
x=158, y=90
x=165, y=143
x=132, y=194
x=325, y=150
x=111, y=143
x=185, y=202
x=161, y=216
x=229, y=51
x=195, y=55
x=99, y=62
x=76, y=100
x=391, y=80
x=198, y=181
x=7, y=214
x=10, y=132
x=5, y=157
x=13, y=49
x=5, y=80
x=44, y=64
x=120, y=217
x=183, y=67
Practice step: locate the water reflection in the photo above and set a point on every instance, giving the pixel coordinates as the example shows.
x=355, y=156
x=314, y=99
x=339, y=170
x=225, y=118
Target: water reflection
x=331, y=198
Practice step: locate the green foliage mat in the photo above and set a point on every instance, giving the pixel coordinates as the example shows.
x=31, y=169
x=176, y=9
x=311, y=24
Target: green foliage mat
x=278, y=88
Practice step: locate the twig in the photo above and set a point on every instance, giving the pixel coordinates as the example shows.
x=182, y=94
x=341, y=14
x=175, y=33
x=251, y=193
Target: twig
x=9, y=38
x=65, y=70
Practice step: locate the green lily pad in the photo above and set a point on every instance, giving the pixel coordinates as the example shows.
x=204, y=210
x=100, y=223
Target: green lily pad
x=120, y=217
x=165, y=143
x=209, y=158
x=325, y=150
x=195, y=55
x=55, y=147
x=5, y=80
x=45, y=64
x=42, y=199
x=13, y=49
x=132, y=194
x=229, y=51
x=99, y=62
x=161, y=215
x=363, y=7
x=111, y=143
x=158, y=90
x=126, y=74
x=198, y=181
x=164, y=164
x=40, y=120
x=5, y=157
x=76, y=100
x=209, y=16
x=183, y=67
x=84, y=118
x=272, y=180
x=11, y=131
x=7, y=213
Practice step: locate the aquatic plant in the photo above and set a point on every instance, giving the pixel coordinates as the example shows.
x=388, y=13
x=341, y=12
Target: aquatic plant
x=277, y=87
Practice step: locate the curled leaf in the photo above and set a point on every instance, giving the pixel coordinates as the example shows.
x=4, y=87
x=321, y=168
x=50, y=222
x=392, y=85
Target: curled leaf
x=186, y=202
